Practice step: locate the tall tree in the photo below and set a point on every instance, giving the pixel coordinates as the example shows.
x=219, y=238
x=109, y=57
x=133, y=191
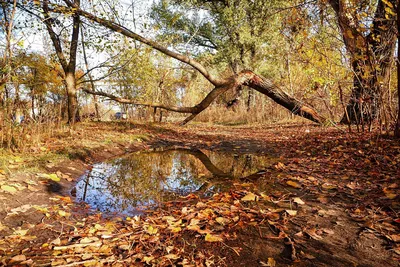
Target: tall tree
x=371, y=47
x=68, y=63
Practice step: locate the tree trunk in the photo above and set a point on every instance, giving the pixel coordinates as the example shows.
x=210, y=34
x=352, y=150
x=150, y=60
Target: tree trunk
x=371, y=57
x=72, y=99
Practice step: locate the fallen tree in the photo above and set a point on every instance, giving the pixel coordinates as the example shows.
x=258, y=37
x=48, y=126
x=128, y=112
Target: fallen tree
x=222, y=85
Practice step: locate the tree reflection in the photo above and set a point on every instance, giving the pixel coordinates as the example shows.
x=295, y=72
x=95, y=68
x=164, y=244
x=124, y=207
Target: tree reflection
x=145, y=178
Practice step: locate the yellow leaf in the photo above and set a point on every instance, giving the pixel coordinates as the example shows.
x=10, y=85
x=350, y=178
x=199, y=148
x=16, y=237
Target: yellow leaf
x=151, y=230
x=175, y=229
x=222, y=220
x=213, y=238
x=172, y=256
x=9, y=189
x=54, y=177
x=148, y=259
x=21, y=232
x=271, y=262
x=293, y=184
x=63, y=213
x=250, y=197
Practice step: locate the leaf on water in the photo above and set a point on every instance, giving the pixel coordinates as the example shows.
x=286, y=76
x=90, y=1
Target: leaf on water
x=250, y=197
x=213, y=238
x=293, y=184
x=298, y=201
x=9, y=189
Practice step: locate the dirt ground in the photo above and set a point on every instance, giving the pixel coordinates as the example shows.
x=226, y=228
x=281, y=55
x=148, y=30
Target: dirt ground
x=330, y=199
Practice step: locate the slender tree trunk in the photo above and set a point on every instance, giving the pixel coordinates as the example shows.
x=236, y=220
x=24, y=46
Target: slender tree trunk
x=72, y=99
x=33, y=103
x=96, y=105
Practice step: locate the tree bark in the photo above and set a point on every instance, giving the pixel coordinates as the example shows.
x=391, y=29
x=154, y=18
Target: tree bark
x=371, y=57
x=72, y=99
x=69, y=66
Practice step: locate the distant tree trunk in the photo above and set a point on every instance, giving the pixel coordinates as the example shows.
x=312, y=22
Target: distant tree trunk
x=96, y=105
x=33, y=103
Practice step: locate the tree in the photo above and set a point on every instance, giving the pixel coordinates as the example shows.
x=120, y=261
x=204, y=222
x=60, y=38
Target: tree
x=371, y=48
x=68, y=65
x=221, y=85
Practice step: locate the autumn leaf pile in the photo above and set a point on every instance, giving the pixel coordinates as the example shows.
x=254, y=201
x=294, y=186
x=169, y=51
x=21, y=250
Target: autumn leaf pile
x=160, y=237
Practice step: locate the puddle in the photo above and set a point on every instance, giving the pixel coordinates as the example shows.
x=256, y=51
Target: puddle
x=131, y=183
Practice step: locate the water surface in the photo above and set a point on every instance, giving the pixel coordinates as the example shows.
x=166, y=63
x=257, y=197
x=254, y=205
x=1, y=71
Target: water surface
x=128, y=184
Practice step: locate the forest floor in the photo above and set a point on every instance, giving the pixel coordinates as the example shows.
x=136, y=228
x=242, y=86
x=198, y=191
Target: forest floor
x=332, y=198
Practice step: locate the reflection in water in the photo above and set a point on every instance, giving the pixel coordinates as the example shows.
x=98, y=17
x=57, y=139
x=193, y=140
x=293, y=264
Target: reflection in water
x=145, y=178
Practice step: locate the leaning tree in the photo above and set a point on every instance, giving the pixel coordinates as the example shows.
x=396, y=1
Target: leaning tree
x=221, y=85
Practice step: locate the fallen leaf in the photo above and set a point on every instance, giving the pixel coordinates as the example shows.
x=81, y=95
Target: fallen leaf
x=3, y=227
x=213, y=238
x=17, y=258
x=292, y=212
x=250, y=197
x=222, y=220
x=293, y=184
x=395, y=238
x=63, y=213
x=54, y=177
x=151, y=230
x=148, y=259
x=172, y=256
x=313, y=234
x=20, y=232
x=298, y=201
x=9, y=189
